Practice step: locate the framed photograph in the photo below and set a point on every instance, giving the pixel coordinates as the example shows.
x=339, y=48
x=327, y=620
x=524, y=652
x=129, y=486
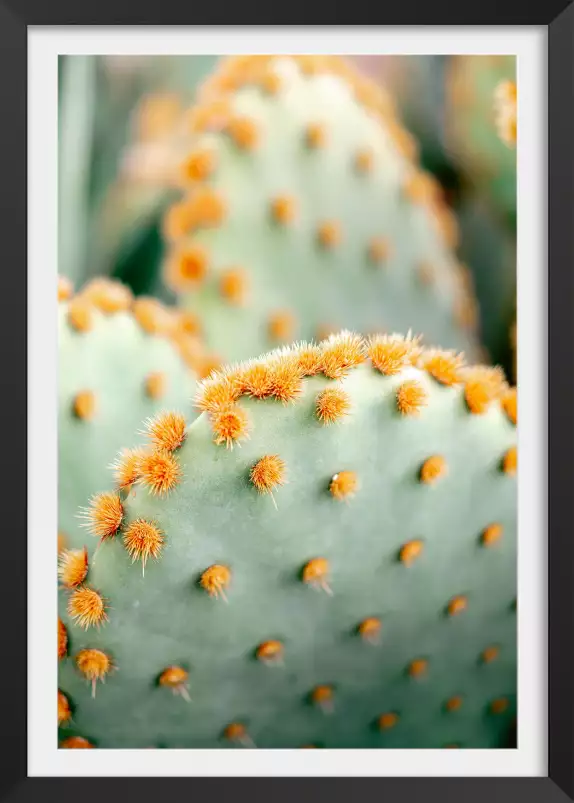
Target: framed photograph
x=272, y=292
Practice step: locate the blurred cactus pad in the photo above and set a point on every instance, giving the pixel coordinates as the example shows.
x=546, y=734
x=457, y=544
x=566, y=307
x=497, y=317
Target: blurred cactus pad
x=120, y=361
x=109, y=108
x=330, y=561
x=473, y=122
x=304, y=210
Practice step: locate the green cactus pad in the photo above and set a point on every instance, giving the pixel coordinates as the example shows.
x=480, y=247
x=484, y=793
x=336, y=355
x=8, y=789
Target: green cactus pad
x=117, y=366
x=352, y=558
x=489, y=249
x=487, y=161
x=305, y=212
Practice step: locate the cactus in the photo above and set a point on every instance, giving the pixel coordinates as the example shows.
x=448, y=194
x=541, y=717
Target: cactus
x=105, y=216
x=505, y=101
x=128, y=227
x=474, y=121
x=489, y=249
x=304, y=211
x=417, y=83
x=330, y=559
x=120, y=361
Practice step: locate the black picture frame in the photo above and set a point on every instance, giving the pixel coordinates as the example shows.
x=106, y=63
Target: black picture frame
x=15, y=18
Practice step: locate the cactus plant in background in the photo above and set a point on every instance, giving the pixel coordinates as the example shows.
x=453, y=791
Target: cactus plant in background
x=481, y=124
x=329, y=555
x=417, y=84
x=304, y=210
x=489, y=250
x=505, y=100
x=128, y=232
x=120, y=361
x=107, y=211
x=473, y=122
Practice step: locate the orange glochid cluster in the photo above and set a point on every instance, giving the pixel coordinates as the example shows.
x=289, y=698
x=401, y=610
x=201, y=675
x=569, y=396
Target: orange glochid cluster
x=166, y=430
x=329, y=234
x=483, y=385
x=152, y=316
x=315, y=573
x=509, y=404
x=65, y=288
x=155, y=385
x=322, y=696
x=490, y=654
x=510, y=461
x=206, y=208
x=176, y=678
x=186, y=268
x=433, y=469
x=94, y=665
x=143, y=540
x=281, y=325
x=283, y=209
x=411, y=398
x=107, y=295
x=268, y=473
x=230, y=425
x=159, y=471
x=270, y=652
x=75, y=743
x=87, y=607
x=244, y=132
x=126, y=467
x=410, y=551
x=457, y=605
x=491, y=534
x=390, y=354
x=84, y=405
x=80, y=314
x=199, y=165
x=62, y=639
x=104, y=515
x=234, y=286
x=364, y=160
x=344, y=485
x=453, y=704
x=418, y=667
x=443, y=366
x=387, y=721
x=315, y=135
x=64, y=713
x=370, y=629
x=379, y=250
x=72, y=567
x=215, y=580
x=332, y=404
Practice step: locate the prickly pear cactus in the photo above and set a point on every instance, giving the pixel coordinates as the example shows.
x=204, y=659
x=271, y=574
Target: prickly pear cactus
x=111, y=143
x=120, y=361
x=304, y=210
x=480, y=133
x=330, y=561
x=489, y=251
x=505, y=100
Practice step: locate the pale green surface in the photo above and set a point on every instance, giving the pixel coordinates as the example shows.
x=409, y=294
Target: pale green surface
x=112, y=360
x=215, y=516
x=286, y=266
